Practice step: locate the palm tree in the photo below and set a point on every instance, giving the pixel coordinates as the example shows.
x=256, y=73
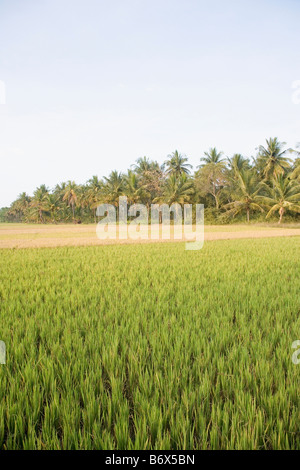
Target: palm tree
x=271, y=160
x=70, y=196
x=52, y=205
x=39, y=203
x=95, y=183
x=113, y=188
x=213, y=157
x=283, y=196
x=211, y=178
x=59, y=191
x=20, y=205
x=93, y=194
x=235, y=165
x=295, y=174
x=247, y=196
x=177, y=190
x=60, y=188
x=132, y=188
x=271, y=182
x=238, y=163
x=143, y=165
x=176, y=164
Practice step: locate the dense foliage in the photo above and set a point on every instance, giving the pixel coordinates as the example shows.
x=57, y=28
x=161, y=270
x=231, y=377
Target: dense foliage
x=228, y=187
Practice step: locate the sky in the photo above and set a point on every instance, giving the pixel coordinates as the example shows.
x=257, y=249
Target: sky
x=89, y=86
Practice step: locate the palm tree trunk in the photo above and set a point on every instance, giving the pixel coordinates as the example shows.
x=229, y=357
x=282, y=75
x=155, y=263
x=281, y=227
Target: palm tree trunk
x=281, y=212
x=41, y=216
x=216, y=197
x=248, y=215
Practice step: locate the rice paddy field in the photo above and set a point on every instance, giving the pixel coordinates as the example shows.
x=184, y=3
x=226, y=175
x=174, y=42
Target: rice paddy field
x=149, y=346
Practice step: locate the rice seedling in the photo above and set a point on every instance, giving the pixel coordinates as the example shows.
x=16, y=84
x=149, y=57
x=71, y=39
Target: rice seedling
x=151, y=346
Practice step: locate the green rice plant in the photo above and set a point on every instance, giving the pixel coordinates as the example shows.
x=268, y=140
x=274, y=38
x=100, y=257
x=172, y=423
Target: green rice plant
x=151, y=346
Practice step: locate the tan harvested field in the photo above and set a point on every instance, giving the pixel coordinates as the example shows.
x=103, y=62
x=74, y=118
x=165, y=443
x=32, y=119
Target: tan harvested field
x=35, y=236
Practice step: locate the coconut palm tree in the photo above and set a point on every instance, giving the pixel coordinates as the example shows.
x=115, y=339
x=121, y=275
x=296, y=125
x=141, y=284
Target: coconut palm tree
x=59, y=191
x=60, y=188
x=177, y=190
x=52, y=205
x=210, y=179
x=271, y=160
x=212, y=157
x=93, y=194
x=132, y=188
x=176, y=164
x=19, y=206
x=143, y=165
x=113, y=188
x=295, y=174
x=95, y=183
x=235, y=165
x=39, y=203
x=247, y=195
x=282, y=196
x=70, y=196
x=238, y=163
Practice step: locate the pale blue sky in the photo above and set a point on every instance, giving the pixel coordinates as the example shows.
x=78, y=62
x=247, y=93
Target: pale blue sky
x=92, y=85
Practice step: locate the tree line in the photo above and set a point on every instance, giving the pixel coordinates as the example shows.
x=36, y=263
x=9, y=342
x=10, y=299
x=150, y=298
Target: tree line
x=266, y=186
